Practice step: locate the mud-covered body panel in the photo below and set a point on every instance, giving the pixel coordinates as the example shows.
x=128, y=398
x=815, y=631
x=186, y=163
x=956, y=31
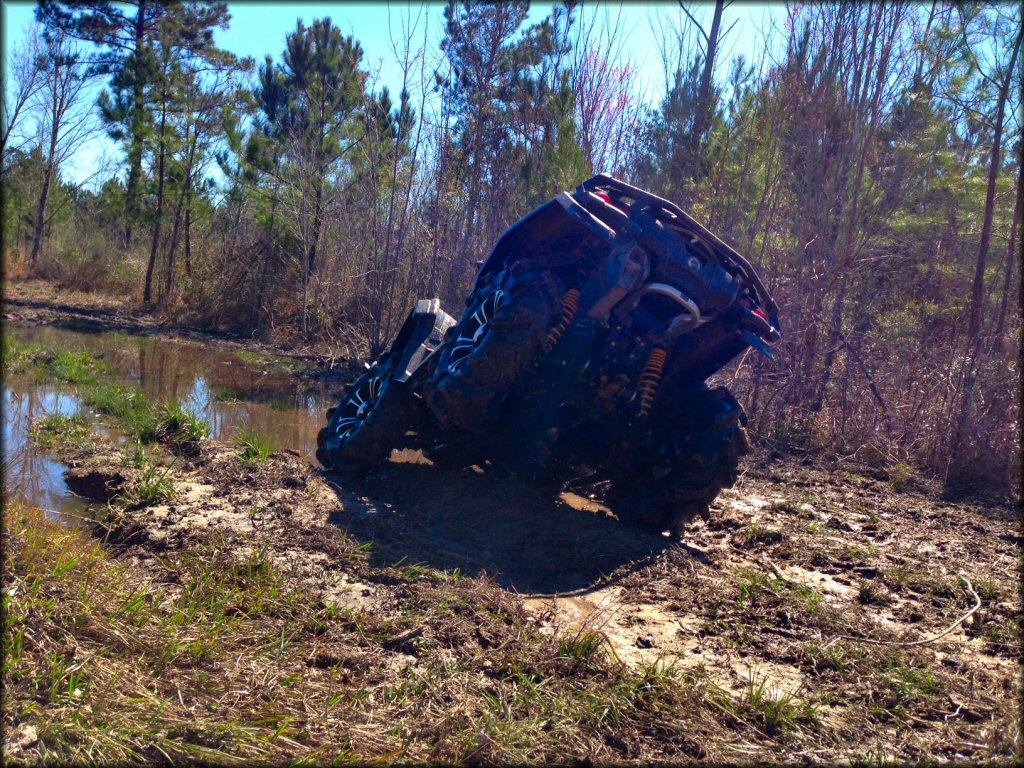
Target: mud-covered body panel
x=420, y=336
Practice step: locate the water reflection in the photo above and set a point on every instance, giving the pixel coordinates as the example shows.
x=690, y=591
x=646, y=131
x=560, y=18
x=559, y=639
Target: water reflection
x=30, y=476
x=229, y=393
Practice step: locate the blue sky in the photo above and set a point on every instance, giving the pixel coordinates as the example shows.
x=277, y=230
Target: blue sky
x=259, y=28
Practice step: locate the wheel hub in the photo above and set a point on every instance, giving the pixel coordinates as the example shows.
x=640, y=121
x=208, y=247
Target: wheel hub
x=357, y=407
x=475, y=330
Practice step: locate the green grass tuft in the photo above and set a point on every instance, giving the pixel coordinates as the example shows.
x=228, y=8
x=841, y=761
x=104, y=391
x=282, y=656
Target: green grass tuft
x=224, y=395
x=19, y=356
x=774, y=710
x=59, y=430
x=141, y=418
x=174, y=421
x=255, y=446
x=583, y=649
x=152, y=485
x=66, y=366
x=77, y=367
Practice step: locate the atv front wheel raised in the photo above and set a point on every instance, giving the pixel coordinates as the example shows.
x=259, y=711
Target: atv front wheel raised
x=494, y=344
x=371, y=420
x=686, y=464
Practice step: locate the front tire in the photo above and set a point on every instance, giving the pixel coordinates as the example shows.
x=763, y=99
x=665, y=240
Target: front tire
x=371, y=420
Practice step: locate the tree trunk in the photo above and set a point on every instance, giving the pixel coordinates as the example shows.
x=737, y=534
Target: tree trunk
x=173, y=250
x=974, y=326
x=1012, y=252
x=135, y=150
x=48, y=172
x=186, y=188
x=318, y=216
x=705, y=108
x=977, y=290
x=44, y=195
x=188, y=235
x=154, y=247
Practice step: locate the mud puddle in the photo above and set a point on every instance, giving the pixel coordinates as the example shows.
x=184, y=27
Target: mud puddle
x=230, y=393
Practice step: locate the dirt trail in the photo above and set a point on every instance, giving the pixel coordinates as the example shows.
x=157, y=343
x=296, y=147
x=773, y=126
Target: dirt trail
x=37, y=302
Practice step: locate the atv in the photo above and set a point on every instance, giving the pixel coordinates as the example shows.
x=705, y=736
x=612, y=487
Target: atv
x=582, y=353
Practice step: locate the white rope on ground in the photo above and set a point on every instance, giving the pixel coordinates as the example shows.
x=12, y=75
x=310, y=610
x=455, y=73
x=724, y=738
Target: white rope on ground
x=924, y=641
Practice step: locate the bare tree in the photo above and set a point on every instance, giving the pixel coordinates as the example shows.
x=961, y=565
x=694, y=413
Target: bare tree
x=608, y=100
x=65, y=118
x=1002, y=84
x=19, y=87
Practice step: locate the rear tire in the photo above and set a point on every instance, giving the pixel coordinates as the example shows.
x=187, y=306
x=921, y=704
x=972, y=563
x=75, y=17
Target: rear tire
x=493, y=346
x=684, y=467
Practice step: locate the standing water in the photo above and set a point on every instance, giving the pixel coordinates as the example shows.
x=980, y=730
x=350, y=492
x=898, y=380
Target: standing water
x=231, y=394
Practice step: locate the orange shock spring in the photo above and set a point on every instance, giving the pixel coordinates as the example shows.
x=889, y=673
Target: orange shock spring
x=570, y=306
x=650, y=378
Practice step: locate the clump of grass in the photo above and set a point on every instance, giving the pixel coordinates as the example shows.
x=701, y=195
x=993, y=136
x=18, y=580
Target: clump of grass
x=268, y=359
x=774, y=710
x=256, y=447
x=176, y=422
x=903, y=684
x=77, y=367
x=583, y=649
x=280, y=404
x=909, y=682
x=224, y=395
x=136, y=457
x=897, y=576
x=857, y=552
x=835, y=656
x=20, y=356
x=147, y=422
x=755, y=586
x=757, y=534
x=116, y=687
x=59, y=430
x=901, y=475
x=788, y=506
x=987, y=589
x=151, y=485
x=127, y=404
x=755, y=583
x=64, y=365
x=871, y=593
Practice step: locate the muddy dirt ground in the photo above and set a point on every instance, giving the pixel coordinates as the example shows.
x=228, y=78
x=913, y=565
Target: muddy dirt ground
x=893, y=613
x=812, y=583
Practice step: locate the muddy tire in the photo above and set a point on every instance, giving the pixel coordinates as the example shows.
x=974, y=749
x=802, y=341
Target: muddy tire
x=686, y=464
x=371, y=419
x=493, y=346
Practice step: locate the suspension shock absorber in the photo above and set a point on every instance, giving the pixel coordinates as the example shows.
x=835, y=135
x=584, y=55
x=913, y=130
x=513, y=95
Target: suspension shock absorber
x=650, y=378
x=570, y=306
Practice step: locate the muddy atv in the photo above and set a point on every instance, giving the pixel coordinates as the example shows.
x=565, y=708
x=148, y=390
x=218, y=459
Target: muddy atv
x=582, y=352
